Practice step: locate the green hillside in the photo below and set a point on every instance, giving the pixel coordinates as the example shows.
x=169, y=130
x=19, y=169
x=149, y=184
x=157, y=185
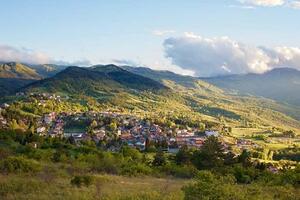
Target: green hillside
x=160, y=76
x=17, y=70
x=95, y=82
x=14, y=76
x=120, y=89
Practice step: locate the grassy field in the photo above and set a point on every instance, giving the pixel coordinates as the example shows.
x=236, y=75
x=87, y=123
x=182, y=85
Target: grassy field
x=104, y=187
x=272, y=143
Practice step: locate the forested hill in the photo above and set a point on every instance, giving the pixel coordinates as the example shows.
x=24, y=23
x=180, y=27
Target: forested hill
x=14, y=75
x=94, y=81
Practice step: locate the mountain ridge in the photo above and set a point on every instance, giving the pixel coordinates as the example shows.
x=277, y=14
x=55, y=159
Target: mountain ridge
x=280, y=84
x=93, y=80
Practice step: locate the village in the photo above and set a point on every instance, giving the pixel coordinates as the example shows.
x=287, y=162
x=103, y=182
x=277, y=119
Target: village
x=109, y=127
x=116, y=129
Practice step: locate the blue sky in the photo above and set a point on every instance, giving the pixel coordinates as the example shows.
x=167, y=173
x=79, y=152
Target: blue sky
x=136, y=30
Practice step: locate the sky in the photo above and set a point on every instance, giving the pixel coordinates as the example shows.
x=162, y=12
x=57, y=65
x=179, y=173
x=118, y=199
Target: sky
x=194, y=37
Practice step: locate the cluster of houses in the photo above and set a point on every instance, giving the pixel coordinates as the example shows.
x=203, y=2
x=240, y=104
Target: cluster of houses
x=50, y=124
x=129, y=130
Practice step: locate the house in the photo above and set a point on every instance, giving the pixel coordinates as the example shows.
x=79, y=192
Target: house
x=48, y=118
x=99, y=135
x=211, y=133
x=5, y=105
x=190, y=141
x=141, y=145
x=273, y=169
x=3, y=122
x=126, y=136
x=41, y=130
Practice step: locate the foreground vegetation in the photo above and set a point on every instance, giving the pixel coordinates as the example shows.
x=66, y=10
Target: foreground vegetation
x=56, y=168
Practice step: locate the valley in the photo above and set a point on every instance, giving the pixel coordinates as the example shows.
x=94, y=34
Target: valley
x=100, y=125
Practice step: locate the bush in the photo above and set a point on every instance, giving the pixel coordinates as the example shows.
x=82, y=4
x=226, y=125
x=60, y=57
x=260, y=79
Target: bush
x=83, y=180
x=244, y=175
x=211, y=186
x=180, y=171
x=134, y=169
x=18, y=164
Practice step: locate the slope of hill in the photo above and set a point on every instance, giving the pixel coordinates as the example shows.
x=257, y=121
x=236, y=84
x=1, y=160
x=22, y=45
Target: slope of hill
x=17, y=70
x=281, y=84
x=214, y=102
x=47, y=70
x=14, y=76
x=114, y=86
x=160, y=75
x=95, y=81
x=126, y=78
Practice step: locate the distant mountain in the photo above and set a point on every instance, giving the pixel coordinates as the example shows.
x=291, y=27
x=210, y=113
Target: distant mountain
x=160, y=75
x=15, y=75
x=17, y=70
x=128, y=79
x=47, y=70
x=281, y=84
x=95, y=81
x=145, y=90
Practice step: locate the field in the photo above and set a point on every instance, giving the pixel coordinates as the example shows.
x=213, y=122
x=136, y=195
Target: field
x=104, y=187
x=272, y=143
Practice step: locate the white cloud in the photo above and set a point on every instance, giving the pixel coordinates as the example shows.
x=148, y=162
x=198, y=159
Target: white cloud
x=23, y=55
x=272, y=3
x=294, y=4
x=160, y=64
x=246, y=7
x=162, y=32
x=222, y=55
x=269, y=3
x=8, y=54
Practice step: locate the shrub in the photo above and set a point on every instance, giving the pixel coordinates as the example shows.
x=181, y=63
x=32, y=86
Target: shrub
x=83, y=180
x=18, y=164
x=134, y=169
x=180, y=171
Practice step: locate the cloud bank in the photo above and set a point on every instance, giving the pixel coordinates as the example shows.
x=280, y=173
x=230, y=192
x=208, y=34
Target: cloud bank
x=9, y=54
x=294, y=4
x=222, y=55
x=269, y=3
x=23, y=55
x=272, y=3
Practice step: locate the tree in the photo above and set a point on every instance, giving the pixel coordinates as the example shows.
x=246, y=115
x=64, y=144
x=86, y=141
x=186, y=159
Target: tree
x=290, y=134
x=208, y=186
x=134, y=154
x=112, y=126
x=159, y=159
x=94, y=124
x=230, y=158
x=14, y=125
x=245, y=158
x=210, y=155
x=183, y=156
x=201, y=126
